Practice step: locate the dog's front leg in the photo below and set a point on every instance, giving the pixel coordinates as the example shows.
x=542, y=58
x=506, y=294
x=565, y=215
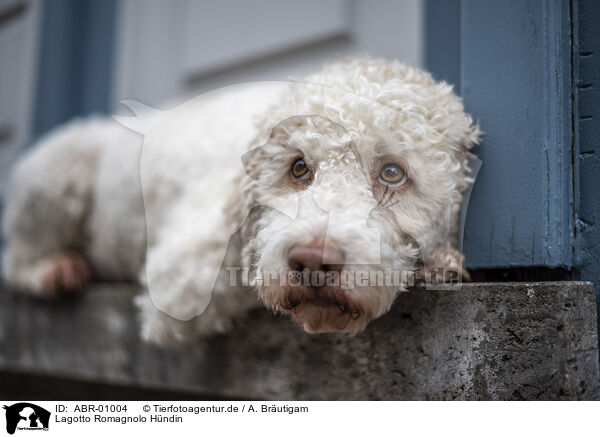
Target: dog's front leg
x=188, y=290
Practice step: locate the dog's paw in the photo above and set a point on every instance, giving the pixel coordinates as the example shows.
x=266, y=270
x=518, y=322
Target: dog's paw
x=163, y=330
x=444, y=265
x=64, y=272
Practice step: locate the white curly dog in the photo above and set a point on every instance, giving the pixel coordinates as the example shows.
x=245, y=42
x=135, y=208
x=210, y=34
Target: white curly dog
x=359, y=166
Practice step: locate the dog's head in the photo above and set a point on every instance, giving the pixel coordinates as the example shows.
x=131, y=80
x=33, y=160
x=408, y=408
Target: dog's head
x=369, y=158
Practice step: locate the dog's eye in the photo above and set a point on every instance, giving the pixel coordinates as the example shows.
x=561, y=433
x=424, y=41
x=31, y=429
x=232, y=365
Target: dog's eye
x=300, y=169
x=392, y=175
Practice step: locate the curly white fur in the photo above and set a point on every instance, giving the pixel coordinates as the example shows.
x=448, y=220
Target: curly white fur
x=162, y=207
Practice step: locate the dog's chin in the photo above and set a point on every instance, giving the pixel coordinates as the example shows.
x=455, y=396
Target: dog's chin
x=322, y=309
x=317, y=317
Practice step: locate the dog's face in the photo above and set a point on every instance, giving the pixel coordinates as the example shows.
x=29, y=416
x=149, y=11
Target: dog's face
x=370, y=187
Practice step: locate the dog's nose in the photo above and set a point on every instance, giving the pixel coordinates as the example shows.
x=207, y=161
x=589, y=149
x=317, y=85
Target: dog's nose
x=306, y=256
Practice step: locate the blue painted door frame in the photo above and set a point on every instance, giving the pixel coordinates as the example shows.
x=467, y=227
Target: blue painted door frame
x=75, y=60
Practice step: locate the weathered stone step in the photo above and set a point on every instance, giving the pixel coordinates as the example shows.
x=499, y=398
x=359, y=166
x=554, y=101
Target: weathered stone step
x=484, y=341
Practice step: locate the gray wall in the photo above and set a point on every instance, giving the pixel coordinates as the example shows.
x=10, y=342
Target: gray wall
x=206, y=45
x=19, y=34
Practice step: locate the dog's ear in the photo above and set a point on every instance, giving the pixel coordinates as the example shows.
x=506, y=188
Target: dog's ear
x=241, y=199
x=258, y=154
x=250, y=161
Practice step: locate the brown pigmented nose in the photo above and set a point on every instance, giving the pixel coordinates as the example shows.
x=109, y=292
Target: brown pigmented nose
x=306, y=256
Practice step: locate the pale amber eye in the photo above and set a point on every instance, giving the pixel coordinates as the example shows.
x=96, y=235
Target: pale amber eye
x=392, y=175
x=300, y=169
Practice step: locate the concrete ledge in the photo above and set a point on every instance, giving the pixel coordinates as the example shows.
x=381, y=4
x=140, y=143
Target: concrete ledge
x=484, y=341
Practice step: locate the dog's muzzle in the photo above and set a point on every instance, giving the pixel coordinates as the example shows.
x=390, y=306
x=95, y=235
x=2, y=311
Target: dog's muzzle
x=317, y=303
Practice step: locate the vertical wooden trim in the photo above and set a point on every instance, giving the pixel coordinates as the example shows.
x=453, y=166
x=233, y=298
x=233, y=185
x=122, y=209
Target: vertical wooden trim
x=585, y=62
x=516, y=81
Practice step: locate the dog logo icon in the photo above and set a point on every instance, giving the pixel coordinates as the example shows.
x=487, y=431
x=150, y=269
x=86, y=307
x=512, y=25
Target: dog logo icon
x=26, y=416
